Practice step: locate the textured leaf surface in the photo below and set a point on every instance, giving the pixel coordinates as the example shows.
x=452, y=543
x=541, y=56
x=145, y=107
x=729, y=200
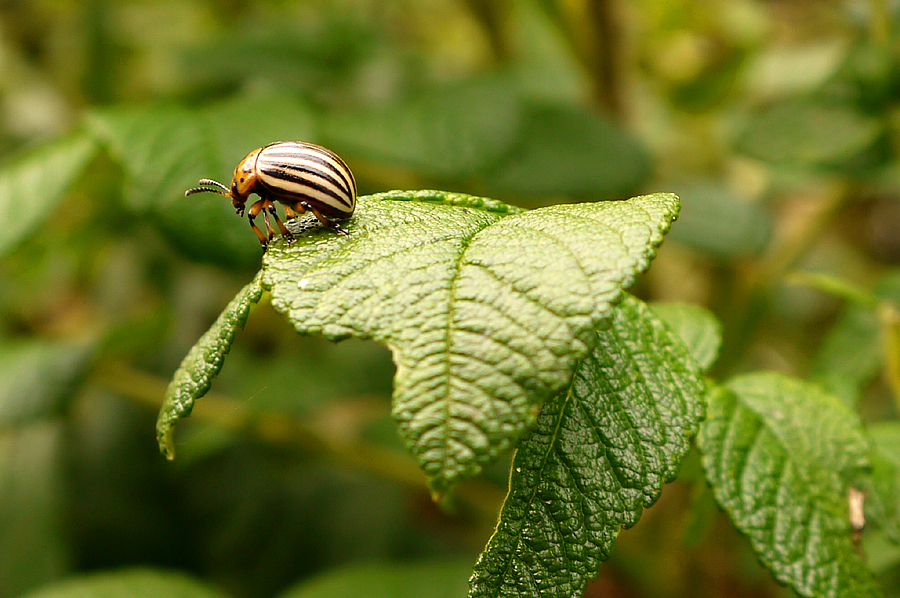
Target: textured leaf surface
x=487, y=314
x=598, y=455
x=128, y=584
x=780, y=456
x=202, y=363
x=33, y=185
x=697, y=328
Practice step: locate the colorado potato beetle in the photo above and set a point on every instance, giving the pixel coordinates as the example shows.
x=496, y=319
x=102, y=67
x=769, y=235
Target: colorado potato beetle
x=301, y=176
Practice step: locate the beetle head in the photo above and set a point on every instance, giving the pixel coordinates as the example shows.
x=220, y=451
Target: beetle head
x=244, y=181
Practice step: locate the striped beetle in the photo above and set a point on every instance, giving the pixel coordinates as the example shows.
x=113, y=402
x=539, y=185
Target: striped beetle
x=301, y=176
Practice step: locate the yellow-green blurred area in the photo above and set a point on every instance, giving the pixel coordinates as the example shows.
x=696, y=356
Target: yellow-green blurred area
x=776, y=121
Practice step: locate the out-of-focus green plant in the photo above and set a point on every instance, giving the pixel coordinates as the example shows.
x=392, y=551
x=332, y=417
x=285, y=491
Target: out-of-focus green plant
x=774, y=123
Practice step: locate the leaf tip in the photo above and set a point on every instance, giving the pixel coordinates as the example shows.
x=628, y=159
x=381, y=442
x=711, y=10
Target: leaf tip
x=166, y=443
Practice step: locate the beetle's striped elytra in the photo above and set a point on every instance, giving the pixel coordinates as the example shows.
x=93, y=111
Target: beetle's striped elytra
x=301, y=176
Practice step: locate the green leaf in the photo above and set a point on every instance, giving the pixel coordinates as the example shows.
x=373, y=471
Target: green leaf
x=697, y=327
x=851, y=354
x=202, y=363
x=717, y=222
x=780, y=456
x=37, y=377
x=809, y=132
x=599, y=454
x=436, y=579
x=571, y=151
x=883, y=506
x=450, y=133
x=487, y=314
x=135, y=583
x=165, y=150
x=34, y=184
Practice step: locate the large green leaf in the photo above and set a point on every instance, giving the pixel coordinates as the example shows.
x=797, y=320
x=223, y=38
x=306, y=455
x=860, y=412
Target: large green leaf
x=487, y=314
x=35, y=182
x=780, y=456
x=165, y=150
x=598, y=455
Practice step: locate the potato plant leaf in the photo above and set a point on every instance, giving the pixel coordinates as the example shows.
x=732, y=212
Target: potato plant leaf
x=487, y=310
x=33, y=184
x=131, y=583
x=599, y=453
x=697, y=328
x=780, y=455
x=202, y=363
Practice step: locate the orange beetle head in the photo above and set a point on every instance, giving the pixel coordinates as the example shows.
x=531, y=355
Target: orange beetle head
x=244, y=181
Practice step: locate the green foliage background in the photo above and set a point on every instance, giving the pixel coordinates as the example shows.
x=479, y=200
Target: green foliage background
x=776, y=123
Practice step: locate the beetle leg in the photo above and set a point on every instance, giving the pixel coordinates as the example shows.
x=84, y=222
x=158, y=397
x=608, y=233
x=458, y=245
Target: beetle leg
x=325, y=221
x=289, y=213
x=252, y=213
x=265, y=212
x=285, y=233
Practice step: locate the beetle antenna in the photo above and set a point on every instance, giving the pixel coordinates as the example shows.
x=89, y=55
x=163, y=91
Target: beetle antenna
x=206, y=182
x=204, y=188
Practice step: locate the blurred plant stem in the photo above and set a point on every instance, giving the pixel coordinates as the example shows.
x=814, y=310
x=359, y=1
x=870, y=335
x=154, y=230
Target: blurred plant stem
x=491, y=14
x=604, y=57
x=483, y=498
x=889, y=318
x=591, y=28
x=834, y=286
x=881, y=22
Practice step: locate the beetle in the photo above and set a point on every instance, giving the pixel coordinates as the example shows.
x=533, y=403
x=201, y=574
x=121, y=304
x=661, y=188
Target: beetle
x=302, y=176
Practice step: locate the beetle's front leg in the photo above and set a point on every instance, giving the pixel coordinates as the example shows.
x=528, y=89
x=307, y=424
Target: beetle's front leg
x=252, y=213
